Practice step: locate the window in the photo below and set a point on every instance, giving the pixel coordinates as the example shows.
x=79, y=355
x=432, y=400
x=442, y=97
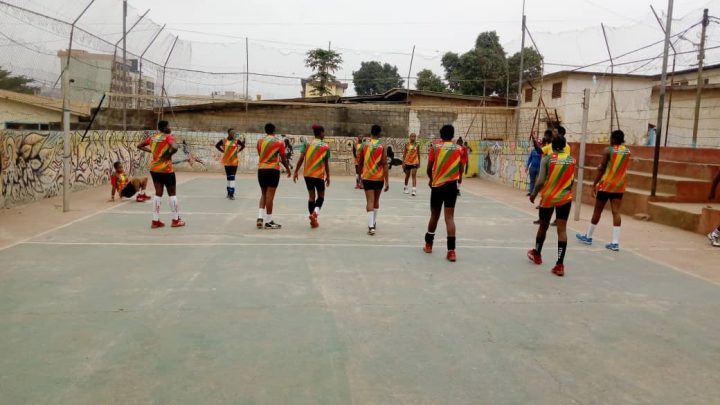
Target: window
x=557, y=90
x=528, y=94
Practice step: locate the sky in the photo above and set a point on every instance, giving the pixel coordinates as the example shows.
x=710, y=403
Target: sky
x=213, y=33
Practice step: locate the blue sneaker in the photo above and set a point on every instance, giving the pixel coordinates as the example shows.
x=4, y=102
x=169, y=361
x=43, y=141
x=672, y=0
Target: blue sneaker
x=613, y=246
x=584, y=238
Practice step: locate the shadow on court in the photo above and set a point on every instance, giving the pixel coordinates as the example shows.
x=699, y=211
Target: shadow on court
x=107, y=310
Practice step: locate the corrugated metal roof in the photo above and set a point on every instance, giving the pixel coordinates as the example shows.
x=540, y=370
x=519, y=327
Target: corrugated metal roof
x=54, y=104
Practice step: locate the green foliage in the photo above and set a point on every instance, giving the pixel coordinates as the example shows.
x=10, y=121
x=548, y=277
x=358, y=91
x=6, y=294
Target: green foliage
x=429, y=81
x=375, y=78
x=324, y=62
x=532, y=67
x=484, y=69
x=15, y=83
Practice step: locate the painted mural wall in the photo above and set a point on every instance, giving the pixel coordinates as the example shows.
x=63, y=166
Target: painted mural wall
x=505, y=162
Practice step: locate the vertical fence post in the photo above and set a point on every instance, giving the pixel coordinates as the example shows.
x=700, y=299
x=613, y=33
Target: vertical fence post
x=581, y=157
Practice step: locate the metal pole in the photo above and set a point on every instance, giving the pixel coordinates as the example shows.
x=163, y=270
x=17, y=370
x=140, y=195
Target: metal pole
x=247, y=72
x=581, y=157
x=612, y=79
x=672, y=76
x=507, y=83
x=661, y=101
x=124, y=68
x=163, y=91
x=520, y=79
x=157, y=34
x=701, y=58
x=412, y=58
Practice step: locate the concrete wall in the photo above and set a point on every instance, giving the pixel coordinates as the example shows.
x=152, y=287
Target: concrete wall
x=504, y=162
x=682, y=117
x=12, y=111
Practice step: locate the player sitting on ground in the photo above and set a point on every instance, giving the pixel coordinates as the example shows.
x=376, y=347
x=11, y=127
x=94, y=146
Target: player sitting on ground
x=127, y=187
x=316, y=159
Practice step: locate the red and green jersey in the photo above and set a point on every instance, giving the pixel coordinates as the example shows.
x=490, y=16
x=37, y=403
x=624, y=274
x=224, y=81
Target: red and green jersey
x=160, y=146
x=316, y=153
x=412, y=154
x=446, y=160
x=119, y=180
x=231, y=149
x=270, y=150
x=559, y=177
x=372, y=157
x=613, y=181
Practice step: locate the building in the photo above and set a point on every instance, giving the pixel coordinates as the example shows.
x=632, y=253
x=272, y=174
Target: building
x=562, y=101
x=308, y=88
x=94, y=74
x=26, y=111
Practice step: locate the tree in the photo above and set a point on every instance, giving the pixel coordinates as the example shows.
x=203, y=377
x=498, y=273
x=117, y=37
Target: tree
x=375, y=78
x=324, y=62
x=15, y=83
x=532, y=67
x=427, y=80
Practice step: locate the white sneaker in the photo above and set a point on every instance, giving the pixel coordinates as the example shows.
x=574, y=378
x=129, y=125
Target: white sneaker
x=414, y=193
x=405, y=190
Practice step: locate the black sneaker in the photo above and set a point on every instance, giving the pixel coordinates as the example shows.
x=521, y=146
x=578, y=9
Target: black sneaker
x=272, y=225
x=371, y=231
x=231, y=197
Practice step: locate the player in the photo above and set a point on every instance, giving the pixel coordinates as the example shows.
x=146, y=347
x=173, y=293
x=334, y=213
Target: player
x=554, y=184
x=230, y=147
x=357, y=145
x=411, y=163
x=316, y=158
x=162, y=146
x=127, y=187
x=373, y=170
x=714, y=236
x=610, y=185
x=445, y=169
x=271, y=153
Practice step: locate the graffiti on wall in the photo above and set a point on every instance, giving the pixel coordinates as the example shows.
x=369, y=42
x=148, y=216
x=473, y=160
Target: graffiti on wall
x=505, y=161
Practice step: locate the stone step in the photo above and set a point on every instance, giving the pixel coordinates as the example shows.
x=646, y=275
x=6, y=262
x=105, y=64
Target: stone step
x=694, y=217
x=697, y=171
x=684, y=188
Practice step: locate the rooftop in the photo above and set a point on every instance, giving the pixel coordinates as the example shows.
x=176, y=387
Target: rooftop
x=54, y=104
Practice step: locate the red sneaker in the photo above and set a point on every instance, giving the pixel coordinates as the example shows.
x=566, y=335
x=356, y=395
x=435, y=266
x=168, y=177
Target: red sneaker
x=314, y=220
x=559, y=270
x=176, y=223
x=427, y=248
x=451, y=255
x=146, y=197
x=534, y=256
x=156, y=224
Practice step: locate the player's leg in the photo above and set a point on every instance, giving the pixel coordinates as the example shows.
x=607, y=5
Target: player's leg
x=273, y=181
x=562, y=213
x=449, y=195
x=376, y=202
x=407, y=179
x=600, y=202
x=230, y=172
x=261, y=207
x=535, y=254
x=157, y=199
x=319, y=201
x=413, y=173
x=615, y=205
x=369, y=206
x=436, y=203
x=174, y=206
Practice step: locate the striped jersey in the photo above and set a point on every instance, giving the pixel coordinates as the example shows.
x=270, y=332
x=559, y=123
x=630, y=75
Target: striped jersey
x=446, y=160
x=160, y=147
x=270, y=149
x=316, y=153
x=412, y=154
x=119, y=181
x=231, y=149
x=372, y=156
x=613, y=181
x=559, y=177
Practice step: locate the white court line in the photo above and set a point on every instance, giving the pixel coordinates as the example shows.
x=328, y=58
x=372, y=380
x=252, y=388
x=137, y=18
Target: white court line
x=359, y=199
x=200, y=244
x=304, y=214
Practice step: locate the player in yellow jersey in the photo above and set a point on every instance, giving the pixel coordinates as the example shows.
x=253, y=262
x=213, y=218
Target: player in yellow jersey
x=316, y=159
x=554, y=184
x=162, y=146
x=610, y=185
x=230, y=147
x=445, y=170
x=411, y=163
x=373, y=170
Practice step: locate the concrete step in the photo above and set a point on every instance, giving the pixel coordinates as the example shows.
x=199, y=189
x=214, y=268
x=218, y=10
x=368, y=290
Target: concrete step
x=672, y=154
x=691, y=170
x=694, y=217
x=635, y=200
x=684, y=188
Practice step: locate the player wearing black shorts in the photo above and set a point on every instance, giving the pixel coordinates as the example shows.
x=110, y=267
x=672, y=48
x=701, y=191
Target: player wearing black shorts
x=373, y=170
x=271, y=153
x=315, y=159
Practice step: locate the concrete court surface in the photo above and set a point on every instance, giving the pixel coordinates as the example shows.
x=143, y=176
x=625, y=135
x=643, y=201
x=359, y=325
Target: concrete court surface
x=106, y=310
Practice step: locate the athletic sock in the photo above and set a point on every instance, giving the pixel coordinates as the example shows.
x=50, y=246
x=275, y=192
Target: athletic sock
x=375, y=214
x=232, y=186
x=562, y=248
x=616, y=235
x=590, y=230
x=157, y=202
x=318, y=204
x=539, y=244
x=414, y=189
x=311, y=206
x=371, y=219
x=429, y=238
x=261, y=213
x=174, y=207
x=268, y=218
x=451, y=243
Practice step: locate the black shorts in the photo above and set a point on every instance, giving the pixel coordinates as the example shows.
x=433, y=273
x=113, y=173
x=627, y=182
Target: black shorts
x=562, y=212
x=373, y=184
x=167, y=179
x=604, y=196
x=230, y=170
x=313, y=183
x=128, y=191
x=445, y=194
x=411, y=167
x=268, y=178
